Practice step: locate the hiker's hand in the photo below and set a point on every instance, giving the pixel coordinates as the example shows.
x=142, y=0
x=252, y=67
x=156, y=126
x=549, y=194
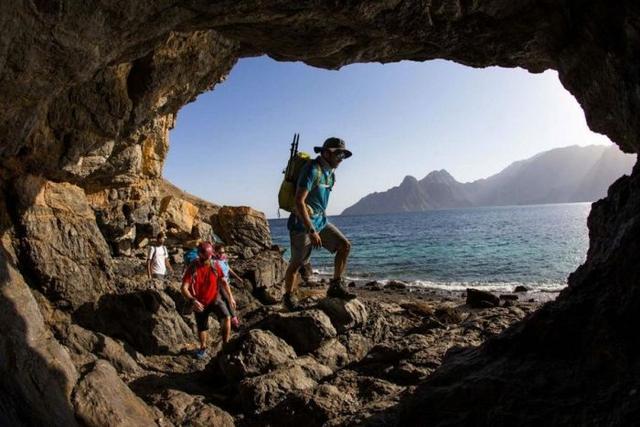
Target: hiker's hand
x=316, y=241
x=233, y=303
x=197, y=306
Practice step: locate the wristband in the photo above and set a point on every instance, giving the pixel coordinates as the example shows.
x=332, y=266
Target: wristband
x=311, y=230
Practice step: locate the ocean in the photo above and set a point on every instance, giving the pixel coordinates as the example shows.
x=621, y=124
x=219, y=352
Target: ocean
x=492, y=248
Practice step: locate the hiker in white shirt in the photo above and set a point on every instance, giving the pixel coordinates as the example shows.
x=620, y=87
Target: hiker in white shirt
x=158, y=259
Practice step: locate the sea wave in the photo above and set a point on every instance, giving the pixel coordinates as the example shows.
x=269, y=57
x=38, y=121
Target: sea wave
x=452, y=286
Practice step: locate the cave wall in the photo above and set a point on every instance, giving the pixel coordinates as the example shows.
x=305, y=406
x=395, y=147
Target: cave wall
x=89, y=93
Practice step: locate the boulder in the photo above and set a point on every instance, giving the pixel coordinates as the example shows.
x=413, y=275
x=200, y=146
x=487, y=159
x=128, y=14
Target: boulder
x=183, y=409
x=63, y=246
x=259, y=394
x=448, y=313
x=102, y=399
x=202, y=231
x=344, y=314
x=304, y=331
x=396, y=285
x=244, y=227
x=481, y=299
x=252, y=354
x=148, y=320
x=178, y=214
x=83, y=341
x=38, y=375
x=333, y=354
x=521, y=288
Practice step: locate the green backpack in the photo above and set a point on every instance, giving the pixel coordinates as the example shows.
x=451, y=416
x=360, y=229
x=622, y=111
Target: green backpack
x=297, y=161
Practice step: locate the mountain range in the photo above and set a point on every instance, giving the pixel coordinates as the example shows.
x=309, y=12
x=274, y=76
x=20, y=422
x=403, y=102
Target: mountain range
x=561, y=175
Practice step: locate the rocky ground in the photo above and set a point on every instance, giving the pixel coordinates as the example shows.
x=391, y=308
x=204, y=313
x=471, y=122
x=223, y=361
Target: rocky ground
x=333, y=363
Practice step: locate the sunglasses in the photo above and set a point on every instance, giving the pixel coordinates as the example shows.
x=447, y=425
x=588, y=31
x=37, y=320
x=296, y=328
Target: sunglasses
x=340, y=155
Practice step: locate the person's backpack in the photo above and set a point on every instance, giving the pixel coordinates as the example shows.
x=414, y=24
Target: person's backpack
x=297, y=161
x=190, y=256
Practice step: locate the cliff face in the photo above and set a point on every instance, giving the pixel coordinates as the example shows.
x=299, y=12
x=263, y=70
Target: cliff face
x=89, y=93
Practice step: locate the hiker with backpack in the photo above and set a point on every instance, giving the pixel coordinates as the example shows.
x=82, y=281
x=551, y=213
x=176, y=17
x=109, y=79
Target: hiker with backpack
x=201, y=285
x=308, y=225
x=221, y=257
x=158, y=259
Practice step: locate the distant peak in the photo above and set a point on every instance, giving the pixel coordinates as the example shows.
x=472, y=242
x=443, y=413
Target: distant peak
x=439, y=176
x=409, y=180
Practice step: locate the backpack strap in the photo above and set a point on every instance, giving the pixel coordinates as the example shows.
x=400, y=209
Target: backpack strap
x=318, y=175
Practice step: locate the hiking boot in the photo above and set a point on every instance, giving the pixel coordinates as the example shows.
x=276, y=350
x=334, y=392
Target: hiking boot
x=290, y=302
x=201, y=353
x=337, y=289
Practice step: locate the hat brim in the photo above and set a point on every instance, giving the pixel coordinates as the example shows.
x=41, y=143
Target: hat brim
x=347, y=152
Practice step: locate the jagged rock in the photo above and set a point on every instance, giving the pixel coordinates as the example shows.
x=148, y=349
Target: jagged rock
x=396, y=285
x=509, y=297
x=148, y=320
x=448, y=314
x=346, y=399
x=83, y=341
x=259, y=394
x=202, y=231
x=184, y=409
x=178, y=214
x=333, y=354
x=102, y=399
x=38, y=375
x=244, y=227
x=344, y=314
x=254, y=353
x=64, y=247
x=418, y=308
x=481, y=299
x=304, y=331
x=356, y=344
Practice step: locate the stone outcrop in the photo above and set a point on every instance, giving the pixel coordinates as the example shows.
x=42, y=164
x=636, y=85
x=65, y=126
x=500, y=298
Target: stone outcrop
x=88, y=94
x=102, y=399
x=256, y=353
x=38, y=375
x=243, y=227
x=62, y=244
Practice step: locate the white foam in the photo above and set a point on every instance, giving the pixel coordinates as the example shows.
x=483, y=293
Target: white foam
x=455, y=286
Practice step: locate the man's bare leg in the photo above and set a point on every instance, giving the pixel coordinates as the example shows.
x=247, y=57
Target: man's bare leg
x=225, y=330
x=203, y=339
x=340, y=263
x=290, y=277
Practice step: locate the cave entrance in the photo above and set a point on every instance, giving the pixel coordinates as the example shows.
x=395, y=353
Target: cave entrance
x=523, y=131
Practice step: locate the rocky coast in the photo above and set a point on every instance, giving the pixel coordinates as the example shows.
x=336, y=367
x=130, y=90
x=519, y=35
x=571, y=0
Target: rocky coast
x=332, y=363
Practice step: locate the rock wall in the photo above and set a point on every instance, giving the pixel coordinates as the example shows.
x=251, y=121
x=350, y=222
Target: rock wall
x=88, y=95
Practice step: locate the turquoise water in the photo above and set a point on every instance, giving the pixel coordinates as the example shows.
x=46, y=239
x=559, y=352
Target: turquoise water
x=496, y=248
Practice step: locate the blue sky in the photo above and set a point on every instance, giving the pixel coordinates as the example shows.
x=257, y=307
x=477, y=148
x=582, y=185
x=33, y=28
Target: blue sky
x=230, y=145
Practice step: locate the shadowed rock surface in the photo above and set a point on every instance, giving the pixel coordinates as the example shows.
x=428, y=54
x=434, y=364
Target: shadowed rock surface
x=88, y=95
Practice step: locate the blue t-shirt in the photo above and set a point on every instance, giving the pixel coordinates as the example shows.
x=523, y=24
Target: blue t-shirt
x=318, y=181
x=224, y=266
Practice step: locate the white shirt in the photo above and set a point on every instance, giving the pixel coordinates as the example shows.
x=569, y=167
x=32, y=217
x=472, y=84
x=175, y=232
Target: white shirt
x=158, y=255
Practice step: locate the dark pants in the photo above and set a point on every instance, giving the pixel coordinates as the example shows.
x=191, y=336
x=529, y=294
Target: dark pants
x=218, y=306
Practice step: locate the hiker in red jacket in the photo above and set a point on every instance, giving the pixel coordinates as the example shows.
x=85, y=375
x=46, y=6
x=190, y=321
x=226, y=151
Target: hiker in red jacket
x=200, y=284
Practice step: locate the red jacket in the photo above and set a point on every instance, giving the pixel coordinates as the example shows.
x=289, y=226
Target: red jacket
x=203, y=278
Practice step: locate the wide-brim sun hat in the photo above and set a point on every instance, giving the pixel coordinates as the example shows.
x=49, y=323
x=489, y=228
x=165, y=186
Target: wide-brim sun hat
x=334, y=144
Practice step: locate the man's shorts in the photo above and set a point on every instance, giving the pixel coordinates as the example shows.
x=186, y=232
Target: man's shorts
x=332, y=240
x=218, y=306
